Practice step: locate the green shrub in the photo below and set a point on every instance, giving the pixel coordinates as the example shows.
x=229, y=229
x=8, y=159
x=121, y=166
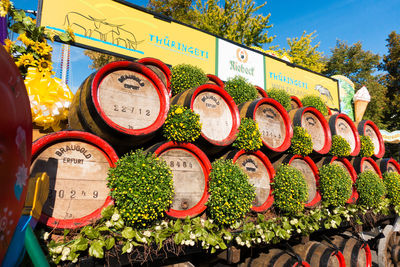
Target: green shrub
x=301, y=143
x=316, y=102
x=392, y=184
x=367, y=147
x=290, y=189
x=185, y=76
x=281, y=96
x=340, y=147
x=142, y=187
x=335, y=184
x=240, y=90
x=182, y=125
x=249, y=137
x=370, y=188
x=231, y=194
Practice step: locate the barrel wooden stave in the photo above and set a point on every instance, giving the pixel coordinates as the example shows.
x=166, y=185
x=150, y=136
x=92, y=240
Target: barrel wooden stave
x=275, y=257
x=295, y=102
x=361, y=164
x=388, y=165
x=160, y=69
x=213, y=79
x=318, y=254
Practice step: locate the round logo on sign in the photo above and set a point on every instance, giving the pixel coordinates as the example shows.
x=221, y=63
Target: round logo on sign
x=242, y=56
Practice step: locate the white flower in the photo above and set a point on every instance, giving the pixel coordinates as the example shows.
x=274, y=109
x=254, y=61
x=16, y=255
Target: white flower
x=294, y=221
x=164, y=223
x=157, y=228
x=187, y=242
x=258, y=240
x=216, y=247
x=298, y=230
x=192, y=236
x=258, y=226
x=109, y=224
x=66, y=251
x=46, y=235
x=115, y=217
x=242, y=243
x=192, y=243
x=22, y=175
x=129, y=250
x=58, y=249
x=288, y=231
x=202, y=243
x=211, y=220
x=238, y=239
x=64, y=257
x=75, y=260
x=147, y=233
x=263, y=236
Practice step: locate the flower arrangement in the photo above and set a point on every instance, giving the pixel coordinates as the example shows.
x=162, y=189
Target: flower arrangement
x=249, y=136
x=370, y=188
x=301, y=142
x=142, y=187
x=316, y=102
x=367, y=147
x=182, y=125
x=335, y=184
x=281, y=96
x=186, y=76
x=231, y=194
x=392, y=184
x=240, y=90
x=340, y=147
x=290, y=189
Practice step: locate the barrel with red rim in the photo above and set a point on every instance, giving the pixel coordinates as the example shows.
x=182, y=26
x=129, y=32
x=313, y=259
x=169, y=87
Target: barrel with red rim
x=190, y=169
x=276, y=257
x=341, y=124
x=388, y=165
x=261, y=174
x=316, y=125
x=160, y=69
x=77, y=164
x=320, y=254
x=295, y=102
x=213, y=79
x=369, y=128
x=261, y=93
x=124, y=103
x=273, y=122
x=361, y=164
x=218, y=112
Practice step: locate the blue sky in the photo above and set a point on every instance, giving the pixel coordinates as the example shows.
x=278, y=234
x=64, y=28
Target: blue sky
x=368, y=21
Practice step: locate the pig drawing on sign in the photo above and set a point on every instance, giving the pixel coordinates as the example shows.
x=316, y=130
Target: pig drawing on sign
x=324, y=91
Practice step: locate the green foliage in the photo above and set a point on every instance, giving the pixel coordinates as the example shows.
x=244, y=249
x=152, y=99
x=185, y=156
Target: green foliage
x=370, y=188
x=186, y=76
x=316, y=102
x=281, y=96
x=240, y=90
x=340, y=147
x=290, y=189
x=231, y=194
x=249, y=137
x=367, y=147
x=141, y=186
x=182, y=125
x=304, y=54
x=335, y=184
x=301, y=142
x=392, y=184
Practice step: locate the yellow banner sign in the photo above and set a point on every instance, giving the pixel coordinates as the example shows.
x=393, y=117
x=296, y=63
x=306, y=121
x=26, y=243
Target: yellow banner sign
x=299, y=82
x=115, y=27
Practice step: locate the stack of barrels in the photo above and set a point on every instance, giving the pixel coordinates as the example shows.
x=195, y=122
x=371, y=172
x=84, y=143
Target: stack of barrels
x=124, y=105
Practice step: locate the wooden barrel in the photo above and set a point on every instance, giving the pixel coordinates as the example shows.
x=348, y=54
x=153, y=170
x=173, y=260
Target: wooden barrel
x=218, y=112
x=213, y=79
x=369, y=128
x=364, y=163
x=124, y=103
x=319, y=254
x=316, y=125
x=341, y=124
x=77, y=164
x=191, y=169
x=310, y=172
x=273, y=122
x=261, y=93
x=15, y=148
x=295, y=102
x=261, y=174
x=274, y=258
x=160, y=69
x=356, y=253
x=388, y=165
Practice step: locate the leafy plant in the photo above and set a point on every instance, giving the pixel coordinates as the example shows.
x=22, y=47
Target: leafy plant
x=142, y=187
x=290, y=189
x=231, y=194
x=182, y=124
x=367, y=147
x=301, y=142
x=316, y=102
x=240, y=90
x=340, y=147
x=392, y=184
x=370, y=188
x=335, y=184
x=281, y=96
x=249, y=137
x=186, y=76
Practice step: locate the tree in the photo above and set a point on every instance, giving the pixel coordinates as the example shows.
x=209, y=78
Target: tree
x=180, y=10
x=304, y=54
x=100, y=59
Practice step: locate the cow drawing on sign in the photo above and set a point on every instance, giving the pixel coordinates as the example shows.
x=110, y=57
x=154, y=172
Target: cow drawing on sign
x=324, y=91
x=82, y=24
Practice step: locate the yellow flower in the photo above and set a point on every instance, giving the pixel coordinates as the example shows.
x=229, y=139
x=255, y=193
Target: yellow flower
x=7, y=45
x=71, y=33
x=44, y=65
x=25, y=40
x=4, y=7
x=26, y=60
x=178, y=111
x=42, y=48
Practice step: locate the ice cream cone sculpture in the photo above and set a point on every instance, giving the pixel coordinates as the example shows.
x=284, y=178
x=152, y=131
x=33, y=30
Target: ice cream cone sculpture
x=361, y=99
